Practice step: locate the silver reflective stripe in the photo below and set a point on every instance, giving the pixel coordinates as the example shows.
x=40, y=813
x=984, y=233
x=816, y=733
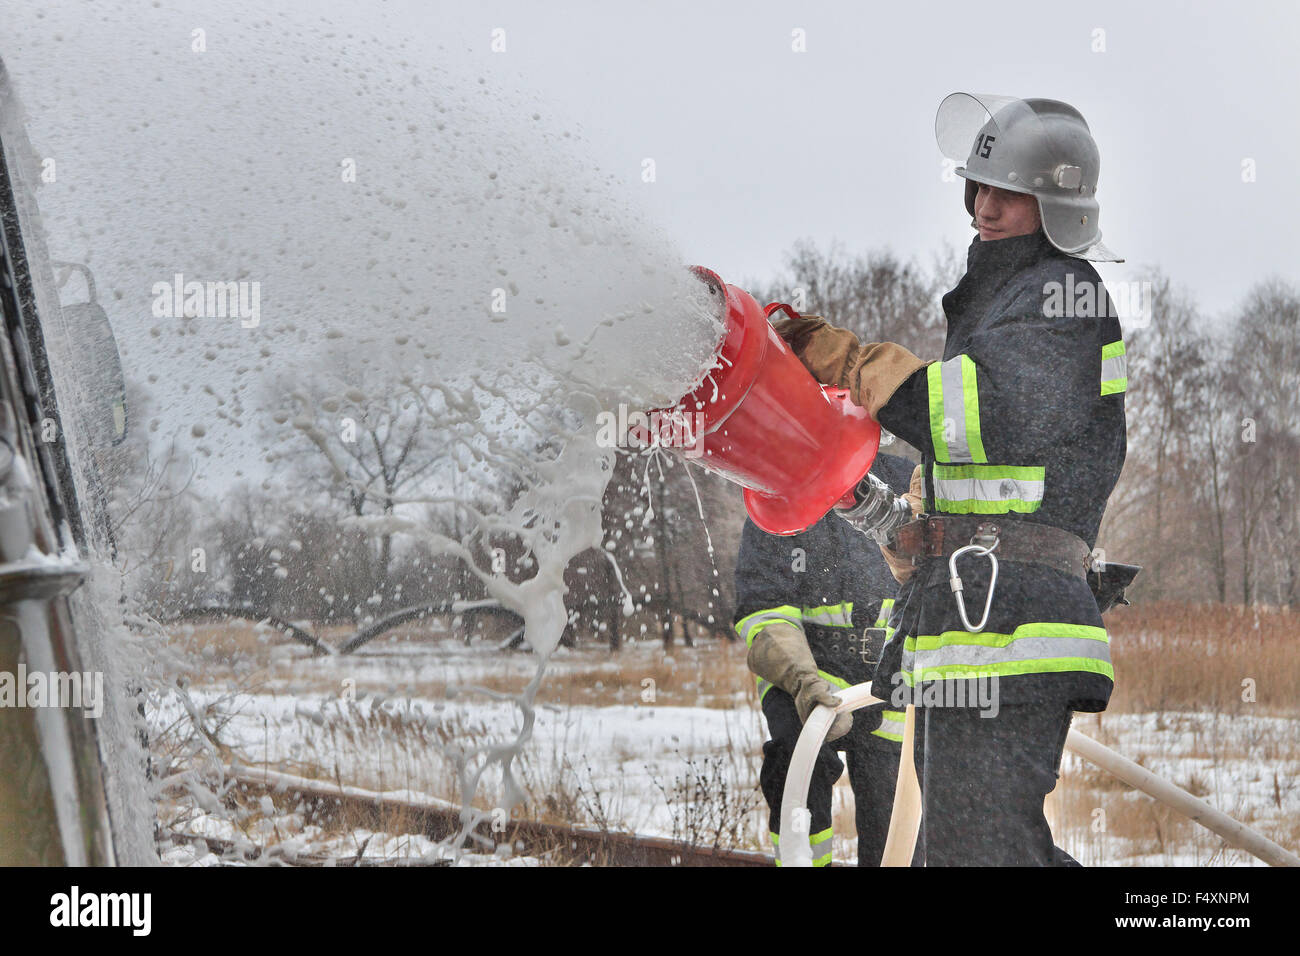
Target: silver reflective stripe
x=821, y=847
x=831, y=615
x=1114, y=368
x=763, y=687
x=891, y=726
x=889, y=631
x=954, y=411
x=749, y=627
x=815, y=842
x=1034, y=648
x=886, y=606
x=1024, y=649
x=987, y=489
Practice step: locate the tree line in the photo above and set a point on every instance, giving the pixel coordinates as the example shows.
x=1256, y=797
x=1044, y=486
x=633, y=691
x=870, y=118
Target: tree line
x=1207, y=502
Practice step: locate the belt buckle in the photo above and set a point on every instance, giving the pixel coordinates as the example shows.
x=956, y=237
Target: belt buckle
x=873, y=640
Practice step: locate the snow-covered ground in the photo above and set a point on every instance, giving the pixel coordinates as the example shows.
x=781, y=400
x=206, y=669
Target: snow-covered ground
x=1243, y=765
x=396, y=715
x=630, y=766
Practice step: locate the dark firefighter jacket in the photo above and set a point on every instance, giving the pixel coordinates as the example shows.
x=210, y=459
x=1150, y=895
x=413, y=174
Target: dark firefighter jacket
x=831, y=581
x=1023, y=418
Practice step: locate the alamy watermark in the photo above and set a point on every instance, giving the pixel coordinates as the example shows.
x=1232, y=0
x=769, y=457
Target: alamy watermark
x=676, y=429
x=978, y=690
x=130, y=910
x=208, y=300
x=53, y=689
x=1128, y=301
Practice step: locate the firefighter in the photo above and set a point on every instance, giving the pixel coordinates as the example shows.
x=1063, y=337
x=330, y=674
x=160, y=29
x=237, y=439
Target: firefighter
x=996, y=636
x=812, y=609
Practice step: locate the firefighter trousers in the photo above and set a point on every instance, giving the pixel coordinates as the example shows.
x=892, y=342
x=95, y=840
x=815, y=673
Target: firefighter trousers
x=872, y=764
x=983, y=783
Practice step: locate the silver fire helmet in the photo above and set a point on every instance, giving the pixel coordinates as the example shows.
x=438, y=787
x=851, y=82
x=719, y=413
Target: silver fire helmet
x=1036, y=146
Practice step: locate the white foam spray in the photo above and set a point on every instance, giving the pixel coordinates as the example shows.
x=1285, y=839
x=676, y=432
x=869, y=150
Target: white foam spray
x=408, y=225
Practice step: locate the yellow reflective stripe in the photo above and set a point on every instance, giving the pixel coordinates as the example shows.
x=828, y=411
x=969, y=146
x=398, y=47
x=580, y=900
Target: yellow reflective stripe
x=971, y=403
x=886, y=606
x=1034, y=647
x=977, y=507
x=1114, y=368
x=987, y=489
x=830, y=615
x=954, y=405
x=751, y=625
x=1059, y=665
x=816, y=840
x=891, y=726
x=929, y=642
x=763, y=687
x=934, y=386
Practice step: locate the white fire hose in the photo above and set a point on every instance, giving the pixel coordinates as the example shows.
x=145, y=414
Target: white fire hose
x=796, y=849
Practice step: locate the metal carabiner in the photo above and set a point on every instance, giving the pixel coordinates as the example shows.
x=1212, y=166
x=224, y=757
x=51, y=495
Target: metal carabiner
x=955, y=581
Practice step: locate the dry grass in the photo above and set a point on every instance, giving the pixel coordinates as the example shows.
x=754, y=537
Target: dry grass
x=1168, y=657
x=711, y=674
x=1171, y=657
x=1172, y=661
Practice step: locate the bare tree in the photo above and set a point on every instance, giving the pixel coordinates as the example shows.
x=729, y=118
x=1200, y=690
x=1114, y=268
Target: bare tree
x=1264, y=380
x=1169, y=396
x=876, y=296
x=363, y=445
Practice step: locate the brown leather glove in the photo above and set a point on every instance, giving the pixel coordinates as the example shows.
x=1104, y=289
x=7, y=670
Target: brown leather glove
x=780, y=654
x=899, y=566
x=871, y=372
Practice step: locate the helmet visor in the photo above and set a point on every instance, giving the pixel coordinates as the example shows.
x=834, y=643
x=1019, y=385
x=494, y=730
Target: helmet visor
x=962, y=118
x=999, y=140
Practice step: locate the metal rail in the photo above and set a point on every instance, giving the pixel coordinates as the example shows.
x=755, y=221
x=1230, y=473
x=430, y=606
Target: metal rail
x=441, y=819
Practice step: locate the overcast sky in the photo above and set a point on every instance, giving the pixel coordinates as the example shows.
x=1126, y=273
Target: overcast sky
x=755, y=144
